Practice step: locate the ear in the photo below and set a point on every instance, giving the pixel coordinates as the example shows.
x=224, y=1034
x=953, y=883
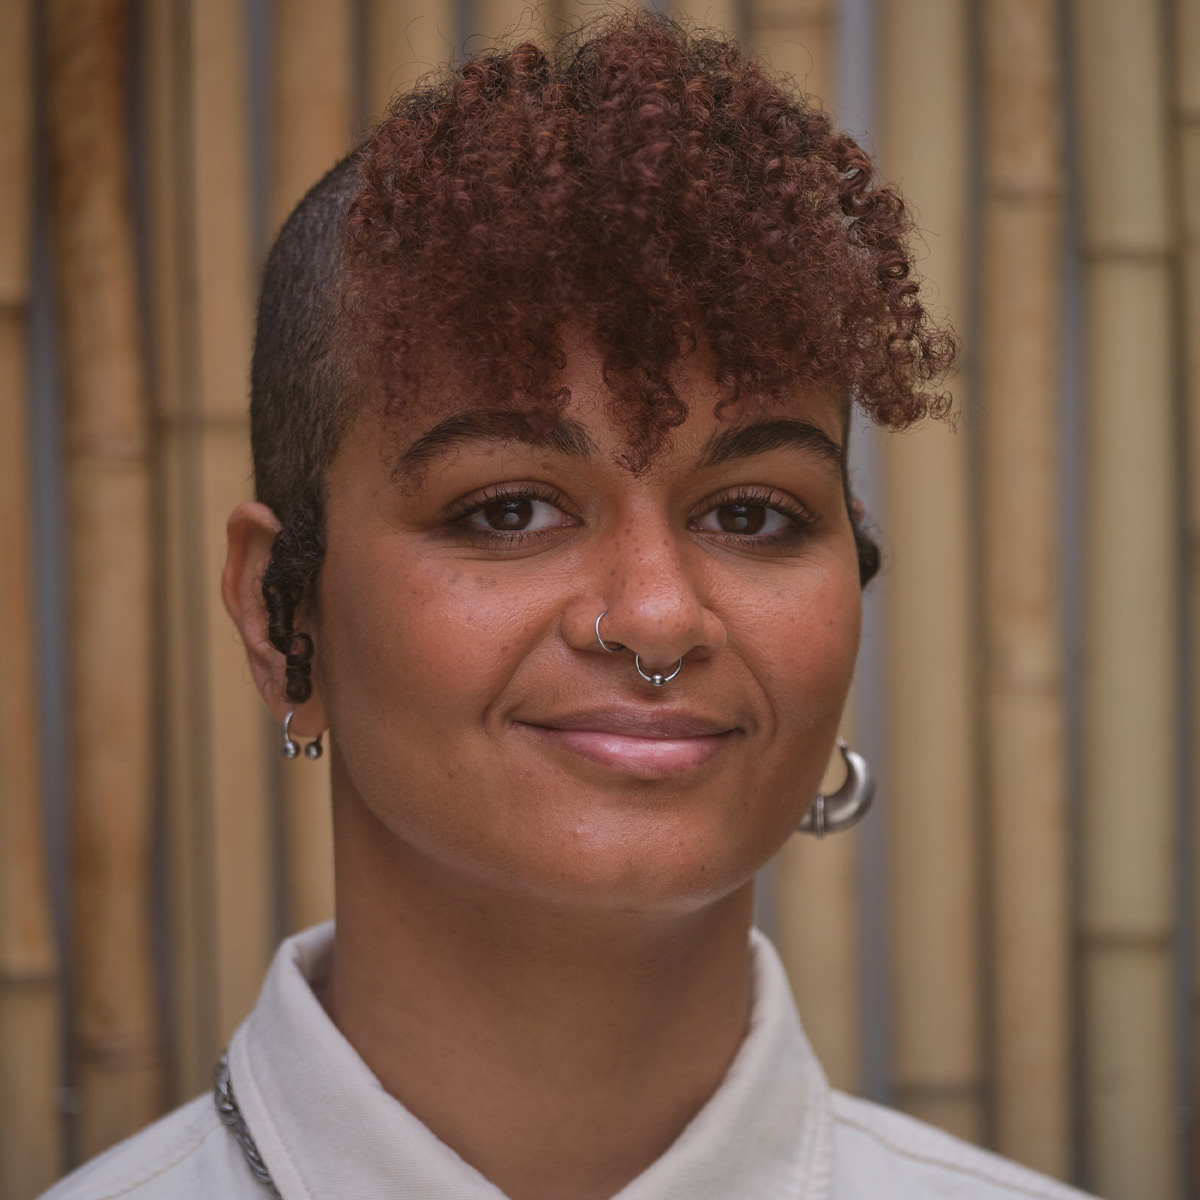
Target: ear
x=251, y=530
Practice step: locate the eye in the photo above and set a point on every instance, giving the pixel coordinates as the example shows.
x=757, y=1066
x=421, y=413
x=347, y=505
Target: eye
x=745, y=518
x=516, y=514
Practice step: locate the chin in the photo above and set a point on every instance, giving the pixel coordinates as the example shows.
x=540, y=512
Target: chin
x=646, y=858
x=570, y=836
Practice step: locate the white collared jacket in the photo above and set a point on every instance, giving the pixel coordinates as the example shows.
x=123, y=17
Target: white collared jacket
x=324, y=1128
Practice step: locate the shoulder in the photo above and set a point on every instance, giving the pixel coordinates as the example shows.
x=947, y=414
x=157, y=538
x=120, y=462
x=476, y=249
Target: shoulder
x=187, y=1155
x=883, y=1152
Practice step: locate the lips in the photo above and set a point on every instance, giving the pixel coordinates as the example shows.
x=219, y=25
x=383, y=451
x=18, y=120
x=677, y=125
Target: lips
x=644, y=742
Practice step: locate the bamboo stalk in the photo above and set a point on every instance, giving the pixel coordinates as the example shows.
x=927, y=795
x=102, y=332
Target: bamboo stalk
x=570, y=14
x=224, y=919
x=507, y=18
x=726, y=16
x=313, y=119
x=312, y=128
x=117, y=1053
x=190, y=964
x=1130, y=722
x=30, y=1034
x=406, y=39
x=817, y=934
x=1187, y=146
x=797, y=37
x=1023, y=680
x=30, y=1051
x=933, y=829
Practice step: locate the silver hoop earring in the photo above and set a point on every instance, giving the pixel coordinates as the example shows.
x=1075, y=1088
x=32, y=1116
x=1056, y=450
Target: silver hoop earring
x=657, y=678
x=613, y=648
x=848, y=805
x=291, y=747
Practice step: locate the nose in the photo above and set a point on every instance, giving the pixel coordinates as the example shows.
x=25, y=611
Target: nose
x=652, y=593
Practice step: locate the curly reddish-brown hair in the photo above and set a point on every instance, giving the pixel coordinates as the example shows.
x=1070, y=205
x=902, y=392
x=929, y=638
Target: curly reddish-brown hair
x=654, y=187
x=658, y=190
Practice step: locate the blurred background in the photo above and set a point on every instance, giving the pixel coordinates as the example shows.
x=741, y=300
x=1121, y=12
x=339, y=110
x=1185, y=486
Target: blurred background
x=1007, y=946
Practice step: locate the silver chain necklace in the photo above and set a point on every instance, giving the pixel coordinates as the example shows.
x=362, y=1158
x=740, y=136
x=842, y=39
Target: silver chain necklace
x=231, y=1117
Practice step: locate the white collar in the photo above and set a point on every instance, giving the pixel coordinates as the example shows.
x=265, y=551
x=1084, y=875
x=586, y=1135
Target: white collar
x=328, y=1131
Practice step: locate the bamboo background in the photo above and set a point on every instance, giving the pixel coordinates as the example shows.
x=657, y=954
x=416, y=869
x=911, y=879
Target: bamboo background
x=1008, y=947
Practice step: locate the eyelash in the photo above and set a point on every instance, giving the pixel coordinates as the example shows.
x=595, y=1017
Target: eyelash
x=458, y=513
x=802, y=521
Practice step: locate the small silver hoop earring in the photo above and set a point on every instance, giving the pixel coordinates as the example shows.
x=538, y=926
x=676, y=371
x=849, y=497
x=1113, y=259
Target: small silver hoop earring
x=848, y=805
x=657, y=678
x=291, y=747
x=612, y=648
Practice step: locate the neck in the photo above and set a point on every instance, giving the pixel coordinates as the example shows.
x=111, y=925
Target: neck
x=557, y=1050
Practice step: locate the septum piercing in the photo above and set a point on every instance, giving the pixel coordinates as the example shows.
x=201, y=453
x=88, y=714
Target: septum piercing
x=656, y=678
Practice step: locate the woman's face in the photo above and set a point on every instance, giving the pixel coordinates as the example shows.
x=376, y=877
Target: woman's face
x=474, y=713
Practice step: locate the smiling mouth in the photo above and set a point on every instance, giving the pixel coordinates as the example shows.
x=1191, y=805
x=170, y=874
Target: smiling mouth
x=657, y=746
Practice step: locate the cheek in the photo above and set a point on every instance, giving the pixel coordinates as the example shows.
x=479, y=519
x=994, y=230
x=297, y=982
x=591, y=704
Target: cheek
x=423, y=641
x=416, y=650
x=804, y=660
x=801, y=643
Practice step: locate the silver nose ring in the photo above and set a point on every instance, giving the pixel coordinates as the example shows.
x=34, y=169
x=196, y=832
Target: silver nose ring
x=611, y=647
x=657, y=678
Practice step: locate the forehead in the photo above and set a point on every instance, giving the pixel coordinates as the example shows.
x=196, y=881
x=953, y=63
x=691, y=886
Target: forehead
x=590, y=418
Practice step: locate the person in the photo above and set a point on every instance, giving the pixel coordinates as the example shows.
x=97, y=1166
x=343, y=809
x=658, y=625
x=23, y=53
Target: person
x=553, y=534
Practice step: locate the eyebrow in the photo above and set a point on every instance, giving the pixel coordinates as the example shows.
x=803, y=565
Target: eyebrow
x=774, y=433
x=493, y=426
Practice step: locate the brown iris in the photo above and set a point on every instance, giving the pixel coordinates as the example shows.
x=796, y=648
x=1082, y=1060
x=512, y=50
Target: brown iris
x=512, y=513
x=741, y=518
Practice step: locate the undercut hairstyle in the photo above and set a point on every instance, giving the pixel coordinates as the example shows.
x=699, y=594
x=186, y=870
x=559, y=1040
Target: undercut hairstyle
x=652, y=186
